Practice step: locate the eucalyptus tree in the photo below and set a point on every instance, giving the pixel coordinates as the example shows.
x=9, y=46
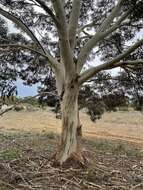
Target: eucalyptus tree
x=131, y=83
x=68, y=34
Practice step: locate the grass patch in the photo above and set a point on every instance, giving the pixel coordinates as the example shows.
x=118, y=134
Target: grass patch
x=115, y=147
x=50, y=135
x=10, y=154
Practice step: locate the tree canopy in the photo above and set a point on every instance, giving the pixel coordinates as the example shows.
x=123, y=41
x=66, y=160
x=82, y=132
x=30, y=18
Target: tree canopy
x=38, y=20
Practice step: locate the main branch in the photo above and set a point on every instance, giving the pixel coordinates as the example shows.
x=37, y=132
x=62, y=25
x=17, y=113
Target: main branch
x=110, y=64
x=65, y=50
x=73, y=24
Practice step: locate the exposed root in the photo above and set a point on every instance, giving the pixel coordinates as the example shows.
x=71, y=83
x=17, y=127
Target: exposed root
x=76, y=160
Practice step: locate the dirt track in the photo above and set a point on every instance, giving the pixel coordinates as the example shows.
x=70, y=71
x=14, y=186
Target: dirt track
x=126, y=126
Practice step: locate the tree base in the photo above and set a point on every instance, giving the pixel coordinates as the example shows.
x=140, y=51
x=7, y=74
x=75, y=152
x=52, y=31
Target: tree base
x=75, y=160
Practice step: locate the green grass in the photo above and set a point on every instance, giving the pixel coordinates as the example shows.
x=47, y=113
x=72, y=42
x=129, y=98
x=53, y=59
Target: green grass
x=115, y=147
x=10, y=154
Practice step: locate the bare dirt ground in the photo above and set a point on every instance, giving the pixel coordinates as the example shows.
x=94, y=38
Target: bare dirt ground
x=126, y=126
x=114, y=146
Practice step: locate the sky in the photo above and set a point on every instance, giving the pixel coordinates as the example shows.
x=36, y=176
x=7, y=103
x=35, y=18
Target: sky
x=24, y=90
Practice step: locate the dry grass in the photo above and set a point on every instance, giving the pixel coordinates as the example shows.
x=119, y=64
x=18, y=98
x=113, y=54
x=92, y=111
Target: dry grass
x=126, y=126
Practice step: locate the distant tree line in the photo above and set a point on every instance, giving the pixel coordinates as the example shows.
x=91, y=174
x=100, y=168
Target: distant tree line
x=103, y=93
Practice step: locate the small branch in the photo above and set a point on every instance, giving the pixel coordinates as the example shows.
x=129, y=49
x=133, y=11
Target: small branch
x=136, y=186
x=23, y=26
x=7, y=184
x=48, y=10
x=70, y=181
x=86, y=26
x=87, y=34
x=85, y=51
x=128, y=63
x=51, y=60
x=23, y=47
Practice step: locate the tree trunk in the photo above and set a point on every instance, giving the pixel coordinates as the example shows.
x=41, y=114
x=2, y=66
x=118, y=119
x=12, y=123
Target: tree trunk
x=70, y=147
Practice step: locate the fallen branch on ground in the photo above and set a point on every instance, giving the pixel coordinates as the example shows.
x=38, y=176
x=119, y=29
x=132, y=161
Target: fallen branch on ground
x=6, y=110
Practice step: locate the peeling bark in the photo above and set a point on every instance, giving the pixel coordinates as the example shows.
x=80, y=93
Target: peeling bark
x=70, y=145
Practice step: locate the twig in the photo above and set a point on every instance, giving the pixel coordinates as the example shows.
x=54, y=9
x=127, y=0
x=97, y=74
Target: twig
x=7, y=184
x=26, y=186
x=93, y=185
x=70, y=181
x=136, y=186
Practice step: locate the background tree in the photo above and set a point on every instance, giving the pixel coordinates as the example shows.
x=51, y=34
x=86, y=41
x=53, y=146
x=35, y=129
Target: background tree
x=132, y=83
x=7, y=71
x=65, y=35
x=103, y=93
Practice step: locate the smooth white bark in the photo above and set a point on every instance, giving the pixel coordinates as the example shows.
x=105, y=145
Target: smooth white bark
x=73, y=23
x=69, y=141
x=65, y=50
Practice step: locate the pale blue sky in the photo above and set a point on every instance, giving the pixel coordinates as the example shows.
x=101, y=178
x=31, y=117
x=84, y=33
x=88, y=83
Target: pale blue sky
x=24, y=90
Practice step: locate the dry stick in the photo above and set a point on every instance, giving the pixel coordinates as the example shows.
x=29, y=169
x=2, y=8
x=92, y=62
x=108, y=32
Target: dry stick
x=93, y=185
x=7, y=184
x=6, y=110
x=70, y=181
x=9, y=170
x=136, y=186
x=26, y=186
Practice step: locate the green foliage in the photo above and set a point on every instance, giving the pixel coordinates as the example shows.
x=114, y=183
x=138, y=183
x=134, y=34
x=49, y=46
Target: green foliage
x=31, y=101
